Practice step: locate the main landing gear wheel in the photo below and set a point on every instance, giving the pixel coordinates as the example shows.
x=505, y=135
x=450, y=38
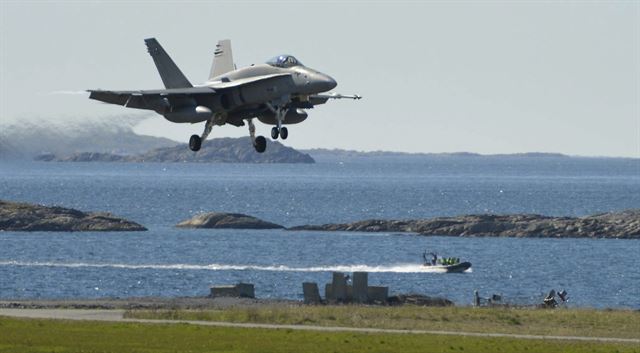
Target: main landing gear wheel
x=274, y=133
x=195, y=142
x=260, y=144
x=284, y=133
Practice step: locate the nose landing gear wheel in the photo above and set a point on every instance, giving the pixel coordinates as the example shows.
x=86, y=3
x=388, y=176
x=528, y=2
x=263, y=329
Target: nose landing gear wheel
x=260, y=144
x=284, y=133
x=194, y=143
x=274, y=133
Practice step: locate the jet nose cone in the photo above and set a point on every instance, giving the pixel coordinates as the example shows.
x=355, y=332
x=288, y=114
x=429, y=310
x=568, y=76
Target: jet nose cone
x=322, y=83
x=329, y=83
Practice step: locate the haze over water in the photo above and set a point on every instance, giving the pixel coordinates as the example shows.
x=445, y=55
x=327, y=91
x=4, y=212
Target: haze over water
x=166, y=261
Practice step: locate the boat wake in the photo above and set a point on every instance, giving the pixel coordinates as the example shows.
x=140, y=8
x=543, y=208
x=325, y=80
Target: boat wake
x=396, y=268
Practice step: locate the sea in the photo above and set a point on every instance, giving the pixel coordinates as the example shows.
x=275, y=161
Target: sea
x=169, y=262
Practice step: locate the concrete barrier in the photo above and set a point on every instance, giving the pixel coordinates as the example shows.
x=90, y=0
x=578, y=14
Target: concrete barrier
x=328, y=293
x=360, y=292
x=378, y=294
x=360, y=287
x=241, y=290
x=311, y=293
x=339, y=287
x=246, y=290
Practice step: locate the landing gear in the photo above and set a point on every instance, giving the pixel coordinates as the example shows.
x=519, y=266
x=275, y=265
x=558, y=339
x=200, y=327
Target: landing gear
x=194, y=143
x=259, y=143
x=278, y=130
x=282, y=132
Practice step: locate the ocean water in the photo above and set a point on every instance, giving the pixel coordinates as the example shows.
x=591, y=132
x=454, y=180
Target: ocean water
x=166, y=261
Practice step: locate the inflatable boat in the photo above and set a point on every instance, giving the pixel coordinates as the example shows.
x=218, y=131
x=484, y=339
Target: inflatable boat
x=455, y=268
x=444, y=264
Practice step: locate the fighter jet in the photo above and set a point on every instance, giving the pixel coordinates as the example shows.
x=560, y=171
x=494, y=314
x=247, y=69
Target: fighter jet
x=276, y=93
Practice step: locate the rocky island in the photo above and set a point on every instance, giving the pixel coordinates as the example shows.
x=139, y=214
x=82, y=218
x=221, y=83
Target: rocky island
x=220, y=150
x=15, y=216
x=227, y=220
x=618, y=225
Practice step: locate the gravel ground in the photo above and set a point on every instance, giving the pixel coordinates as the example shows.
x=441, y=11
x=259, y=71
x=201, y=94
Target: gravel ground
x=143, y=303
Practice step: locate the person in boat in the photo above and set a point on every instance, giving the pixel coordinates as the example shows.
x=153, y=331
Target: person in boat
x=433, y=261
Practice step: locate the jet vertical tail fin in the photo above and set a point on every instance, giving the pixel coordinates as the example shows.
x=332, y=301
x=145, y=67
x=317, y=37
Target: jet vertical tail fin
x=222, y=59
x=171, y=75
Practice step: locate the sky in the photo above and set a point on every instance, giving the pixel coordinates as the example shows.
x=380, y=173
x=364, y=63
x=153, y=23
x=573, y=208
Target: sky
x=442, y=76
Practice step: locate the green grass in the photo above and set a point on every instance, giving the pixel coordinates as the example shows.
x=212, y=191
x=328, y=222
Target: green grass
x=563, y=322
x=31, y=335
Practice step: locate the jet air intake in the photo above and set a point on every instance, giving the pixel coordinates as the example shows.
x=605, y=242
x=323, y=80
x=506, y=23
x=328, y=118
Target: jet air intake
x=189, y=114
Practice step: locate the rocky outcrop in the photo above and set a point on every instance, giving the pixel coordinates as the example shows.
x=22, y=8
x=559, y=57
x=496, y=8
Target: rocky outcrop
x=16, y=216
x=227, y=220
x=622, y=225
x=220, y=150
x=419, y=300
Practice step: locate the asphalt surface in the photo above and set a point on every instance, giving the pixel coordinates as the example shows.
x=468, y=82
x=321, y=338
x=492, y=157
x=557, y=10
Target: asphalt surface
x=118, y=316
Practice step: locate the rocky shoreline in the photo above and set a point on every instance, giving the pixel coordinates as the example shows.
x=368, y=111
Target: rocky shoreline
x=192, y=303
x=17, y=216
x=144, y=303
x=616, y=225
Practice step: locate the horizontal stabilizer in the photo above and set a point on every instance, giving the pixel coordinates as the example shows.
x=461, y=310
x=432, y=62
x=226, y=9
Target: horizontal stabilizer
x=171, y=75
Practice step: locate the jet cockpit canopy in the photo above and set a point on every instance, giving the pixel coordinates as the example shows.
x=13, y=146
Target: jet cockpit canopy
x=284, y=61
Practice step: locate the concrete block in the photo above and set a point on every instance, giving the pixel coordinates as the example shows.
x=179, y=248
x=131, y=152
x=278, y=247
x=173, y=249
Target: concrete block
x=329, y=296
x=245, y=290
x=339, y=286
x=223, y=291
x=328, y=292
x=311, y=293
x=377, y=294
x=242, y=290
x=360, y=287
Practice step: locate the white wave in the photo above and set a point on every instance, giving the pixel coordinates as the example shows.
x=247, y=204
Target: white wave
x=397, y=268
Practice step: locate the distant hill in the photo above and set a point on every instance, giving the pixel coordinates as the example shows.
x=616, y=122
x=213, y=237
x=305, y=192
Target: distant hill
x=219, y=150
x=112, y=134
x=338, y=153
x=112, y=138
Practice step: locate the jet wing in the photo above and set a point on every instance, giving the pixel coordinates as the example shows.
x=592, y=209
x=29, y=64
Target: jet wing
x=219, y=85
x=150, y=99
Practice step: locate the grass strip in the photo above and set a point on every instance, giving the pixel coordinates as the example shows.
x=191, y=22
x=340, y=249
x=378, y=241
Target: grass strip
x=38, y=335
x=560, y=322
